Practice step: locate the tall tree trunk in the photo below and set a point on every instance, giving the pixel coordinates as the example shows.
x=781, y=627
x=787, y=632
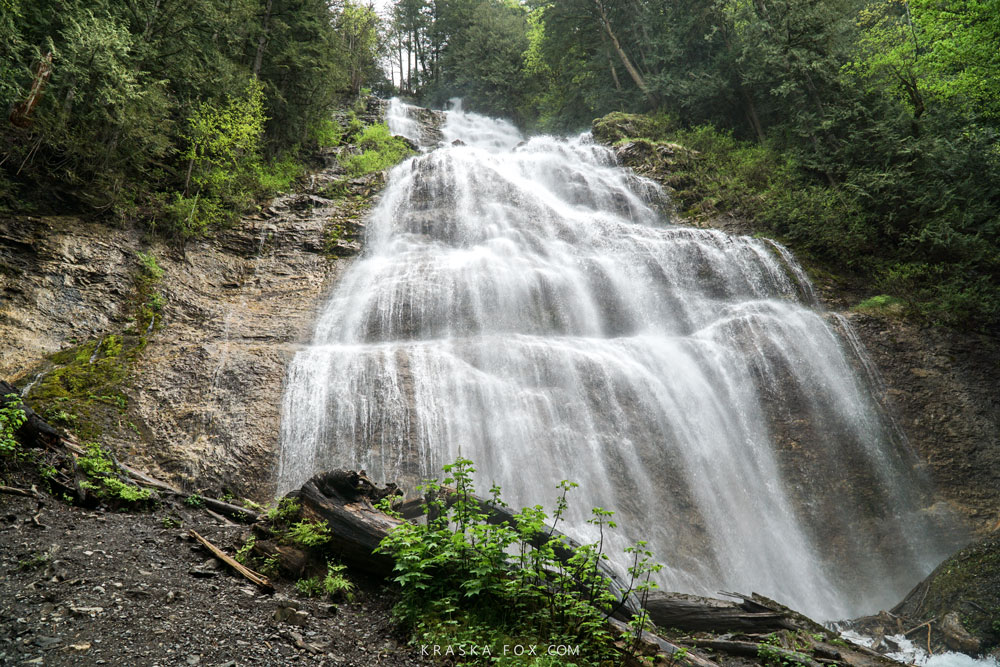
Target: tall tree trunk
x=629, y=67
x=611, y=63
x=751, y=111
x=258, y=60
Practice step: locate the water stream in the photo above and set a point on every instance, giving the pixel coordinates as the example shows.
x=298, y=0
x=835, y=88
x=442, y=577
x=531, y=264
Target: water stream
x=525, y=302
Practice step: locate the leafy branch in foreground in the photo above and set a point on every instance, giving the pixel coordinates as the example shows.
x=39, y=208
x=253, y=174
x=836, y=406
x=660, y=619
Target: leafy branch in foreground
x=487, y=587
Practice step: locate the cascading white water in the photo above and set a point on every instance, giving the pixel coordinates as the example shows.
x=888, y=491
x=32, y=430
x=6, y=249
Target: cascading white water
x=524, y=303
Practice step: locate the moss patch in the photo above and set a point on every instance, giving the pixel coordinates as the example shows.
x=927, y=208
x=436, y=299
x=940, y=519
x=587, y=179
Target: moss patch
x=618, y=125
x=84, y=391
x=883, y=304
x=380, y=150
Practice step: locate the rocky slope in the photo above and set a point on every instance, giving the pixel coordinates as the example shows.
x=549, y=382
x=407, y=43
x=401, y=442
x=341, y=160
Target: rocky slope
x=82, y=587
x=174, y=355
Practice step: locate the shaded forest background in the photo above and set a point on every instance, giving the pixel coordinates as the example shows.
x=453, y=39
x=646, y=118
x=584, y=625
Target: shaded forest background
x=861, y=132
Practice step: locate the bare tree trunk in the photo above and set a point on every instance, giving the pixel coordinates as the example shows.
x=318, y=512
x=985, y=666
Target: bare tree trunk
x=258, y=60
x=751, y=112
x=633, y=72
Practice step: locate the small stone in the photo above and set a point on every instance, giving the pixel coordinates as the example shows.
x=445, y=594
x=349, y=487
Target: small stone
x=85, y=646
x=201, y=573
x=44, y=642
x=291, y=616
x=193, y=659
x=87, y=611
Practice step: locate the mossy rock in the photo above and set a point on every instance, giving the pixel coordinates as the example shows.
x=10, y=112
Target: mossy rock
x=968, y=584
x=84, y=390
x=617, y=126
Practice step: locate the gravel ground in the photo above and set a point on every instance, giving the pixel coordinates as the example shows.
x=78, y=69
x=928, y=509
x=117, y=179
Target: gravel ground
x=95, y=587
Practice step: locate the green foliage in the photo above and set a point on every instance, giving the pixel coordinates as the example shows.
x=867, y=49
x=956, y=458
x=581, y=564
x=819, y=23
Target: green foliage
x=309, y=533
x=467, y=581
x=309, y=587
x=882, y=303
x=12, y=417
x=194, y=500
x=326, y=133
x=334, y=584
x=286, y=510
x=150, y=268
x=104, y=479
x=243, y=554
x=171, y=113
x=380, y=150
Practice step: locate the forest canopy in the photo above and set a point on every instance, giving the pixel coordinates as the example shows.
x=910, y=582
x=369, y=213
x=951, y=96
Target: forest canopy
x=180, y=112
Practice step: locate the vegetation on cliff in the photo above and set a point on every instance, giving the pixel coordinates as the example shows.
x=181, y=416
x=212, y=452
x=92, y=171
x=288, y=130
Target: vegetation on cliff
x=180, y=113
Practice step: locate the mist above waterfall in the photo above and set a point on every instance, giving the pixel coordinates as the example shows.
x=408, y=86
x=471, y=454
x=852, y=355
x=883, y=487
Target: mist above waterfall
x=527, y=303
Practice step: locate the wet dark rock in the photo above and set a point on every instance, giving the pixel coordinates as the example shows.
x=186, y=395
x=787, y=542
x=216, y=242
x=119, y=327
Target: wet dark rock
x=962, y=599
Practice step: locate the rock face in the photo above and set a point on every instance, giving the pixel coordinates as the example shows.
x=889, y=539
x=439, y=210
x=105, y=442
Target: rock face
x=942, y=385
x=961, y=599
x=200, y=403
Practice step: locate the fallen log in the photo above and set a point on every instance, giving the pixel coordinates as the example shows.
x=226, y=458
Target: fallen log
x=693, y=614
x=255, y=577
x=682, y=655
x=15, y=491
x=753, y=650
x=234, y=512
x=345, y=500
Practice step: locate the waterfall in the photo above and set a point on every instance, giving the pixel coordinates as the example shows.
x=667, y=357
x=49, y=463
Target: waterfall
x=525, y=302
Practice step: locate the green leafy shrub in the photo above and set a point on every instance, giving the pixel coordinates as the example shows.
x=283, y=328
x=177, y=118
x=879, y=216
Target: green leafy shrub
x=326, y=133
x=380, y=149
x=336, y=584
x=310, y=587
x=467, y=580
x=104, y=480
x=309, y=533
x=12, y=417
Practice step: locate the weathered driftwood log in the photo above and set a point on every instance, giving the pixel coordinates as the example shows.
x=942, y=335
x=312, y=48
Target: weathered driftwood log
x=345, y=501
x=753, y=650
x=661, y=645
x=234, y=512
x=693, y=614
x=249, y=574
